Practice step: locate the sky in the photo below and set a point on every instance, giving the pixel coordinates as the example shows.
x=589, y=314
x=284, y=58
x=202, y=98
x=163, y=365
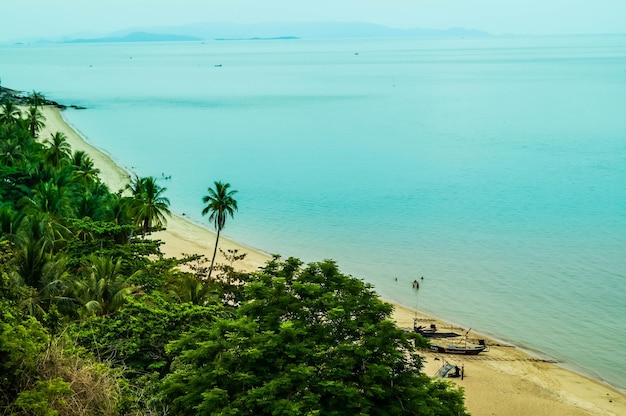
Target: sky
x=21, y=20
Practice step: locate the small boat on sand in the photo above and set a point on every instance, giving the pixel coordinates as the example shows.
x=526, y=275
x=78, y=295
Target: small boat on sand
x=432, y=332
x=459, y=349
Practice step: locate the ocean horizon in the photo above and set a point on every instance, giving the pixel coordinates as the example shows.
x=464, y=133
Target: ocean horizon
x=495, y=168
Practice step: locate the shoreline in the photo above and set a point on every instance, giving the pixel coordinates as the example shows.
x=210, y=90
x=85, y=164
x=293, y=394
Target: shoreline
x=181, y=236
x=506, y=380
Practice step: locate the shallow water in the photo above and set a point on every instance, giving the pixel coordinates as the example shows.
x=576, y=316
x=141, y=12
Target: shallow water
x=495, y=168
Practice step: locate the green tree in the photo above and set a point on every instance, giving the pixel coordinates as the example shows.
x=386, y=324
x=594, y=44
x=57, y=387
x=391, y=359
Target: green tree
x=136, y=336
x=35, y=121
x=22, y=341
x=148, y=207
x=44, y=300
x=11, y=153
x=311, y=341
x=84, y=169
x=45, y=398
x=50, y=198
x=220, y=204
x=17, y=147
x=37, y=239
x=119, y=209
x=186, y=287
x=106, y=289
x=11, y=113
x=58, y=151
x=36, y=99
x=89, y=204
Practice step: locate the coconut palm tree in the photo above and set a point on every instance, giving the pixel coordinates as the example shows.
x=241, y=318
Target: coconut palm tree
x=59, y=150
x=37, y=239
x=220, y=204
x=186, y=287
x=11, y=114
x=35, y=120
x=92, y=201
x=51, y=287
x=84, y=169
x=18, y=133
x=36, y=99
x=106, y=288
x=119, y=209
x=50, y=198
x=149, y=207
x=87, y=204
x=11, y=152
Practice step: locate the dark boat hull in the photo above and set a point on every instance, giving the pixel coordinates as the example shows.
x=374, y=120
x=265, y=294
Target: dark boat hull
x=428, y=334
x=473, y=350
x=432, y=332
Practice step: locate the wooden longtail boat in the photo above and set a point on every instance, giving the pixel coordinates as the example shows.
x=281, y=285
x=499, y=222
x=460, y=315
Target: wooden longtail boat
x=459, y=349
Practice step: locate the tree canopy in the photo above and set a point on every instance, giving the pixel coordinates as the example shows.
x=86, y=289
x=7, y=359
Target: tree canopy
x=305, y=341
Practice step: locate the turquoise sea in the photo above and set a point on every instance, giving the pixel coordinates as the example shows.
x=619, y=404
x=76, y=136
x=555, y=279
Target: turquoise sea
x=495, y=167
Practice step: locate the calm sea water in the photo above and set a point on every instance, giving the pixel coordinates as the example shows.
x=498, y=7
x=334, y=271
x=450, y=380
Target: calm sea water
x=495, y=168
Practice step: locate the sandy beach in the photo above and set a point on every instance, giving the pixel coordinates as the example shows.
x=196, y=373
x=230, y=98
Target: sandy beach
x=182, y=236
x=502, y=381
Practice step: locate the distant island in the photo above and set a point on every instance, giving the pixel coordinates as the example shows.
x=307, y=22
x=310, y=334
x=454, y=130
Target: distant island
x=258, y=38
x=137, y=37
x=268, y=31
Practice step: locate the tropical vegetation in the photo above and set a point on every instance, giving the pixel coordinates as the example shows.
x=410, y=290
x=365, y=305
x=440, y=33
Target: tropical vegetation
x=95, y=320
x=220, y=204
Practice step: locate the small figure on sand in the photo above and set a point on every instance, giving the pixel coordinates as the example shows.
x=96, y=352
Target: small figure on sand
x=416, y=285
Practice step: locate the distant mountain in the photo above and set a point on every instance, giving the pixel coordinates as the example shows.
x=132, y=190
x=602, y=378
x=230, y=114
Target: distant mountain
x=258, y=38
x=273, y=31
x=308, y=30
x=137, y=37
x=323, y=30
x=318, y=30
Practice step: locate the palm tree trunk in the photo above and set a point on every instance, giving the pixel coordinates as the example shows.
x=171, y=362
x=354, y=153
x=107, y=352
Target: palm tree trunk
x=214, y=252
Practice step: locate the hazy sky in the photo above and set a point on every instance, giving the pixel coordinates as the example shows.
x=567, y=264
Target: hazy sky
x=24, y=19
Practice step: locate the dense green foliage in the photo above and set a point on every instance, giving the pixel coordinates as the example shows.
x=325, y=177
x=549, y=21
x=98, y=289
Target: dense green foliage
x=94, y=320
x=303, y=341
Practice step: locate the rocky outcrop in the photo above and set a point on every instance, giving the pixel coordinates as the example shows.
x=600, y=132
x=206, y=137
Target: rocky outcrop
x=23, y=98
